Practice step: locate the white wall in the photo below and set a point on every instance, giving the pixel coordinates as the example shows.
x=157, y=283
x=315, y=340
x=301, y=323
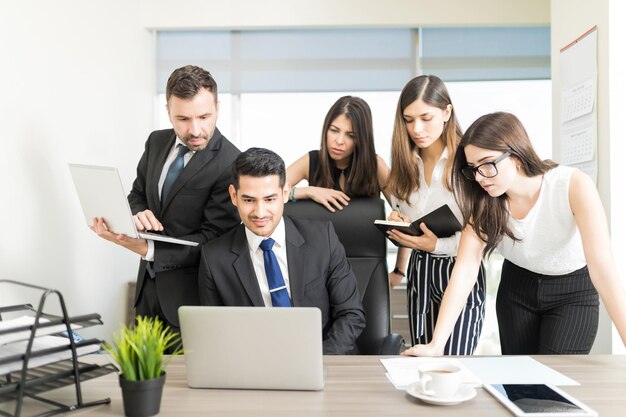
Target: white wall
x=617, y=154
x=570, y=19
x=77, y=84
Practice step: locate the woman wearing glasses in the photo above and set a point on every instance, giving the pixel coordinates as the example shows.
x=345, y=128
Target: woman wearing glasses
x=425, y=137
x=548, y=222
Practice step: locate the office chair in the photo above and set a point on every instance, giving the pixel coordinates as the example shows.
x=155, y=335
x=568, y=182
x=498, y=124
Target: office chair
x=366, y=250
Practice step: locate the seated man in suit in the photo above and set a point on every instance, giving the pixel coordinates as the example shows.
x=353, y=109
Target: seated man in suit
x=274, y=260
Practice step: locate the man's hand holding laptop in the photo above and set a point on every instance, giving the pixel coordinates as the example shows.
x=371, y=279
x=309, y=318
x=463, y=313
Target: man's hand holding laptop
x=144, y=221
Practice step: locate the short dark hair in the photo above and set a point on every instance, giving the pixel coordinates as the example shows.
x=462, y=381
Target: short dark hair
x=185, y=82
x=259, y=162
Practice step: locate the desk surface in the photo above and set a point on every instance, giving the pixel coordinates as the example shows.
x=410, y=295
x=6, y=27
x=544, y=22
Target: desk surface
x=355, y=386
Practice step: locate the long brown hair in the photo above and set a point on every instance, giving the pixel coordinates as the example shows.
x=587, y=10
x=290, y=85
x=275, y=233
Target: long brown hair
x=489, y=215
x=405, y=173
x=362, y=180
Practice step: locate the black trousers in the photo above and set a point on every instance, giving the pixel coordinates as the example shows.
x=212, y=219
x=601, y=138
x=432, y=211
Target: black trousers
x=148, y=305
x=546, y=314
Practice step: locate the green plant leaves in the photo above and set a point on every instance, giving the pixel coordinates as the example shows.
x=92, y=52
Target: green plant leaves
x=138, y=349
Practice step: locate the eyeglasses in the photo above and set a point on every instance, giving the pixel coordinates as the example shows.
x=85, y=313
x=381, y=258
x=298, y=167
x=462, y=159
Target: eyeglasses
x=487, y=170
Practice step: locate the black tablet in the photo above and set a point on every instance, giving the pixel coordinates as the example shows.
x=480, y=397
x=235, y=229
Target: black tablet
x=538, y=400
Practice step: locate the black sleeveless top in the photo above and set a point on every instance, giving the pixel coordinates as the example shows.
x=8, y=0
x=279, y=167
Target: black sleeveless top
x=314, y=177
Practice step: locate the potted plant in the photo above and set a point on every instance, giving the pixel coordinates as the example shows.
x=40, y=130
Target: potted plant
x=138, y=352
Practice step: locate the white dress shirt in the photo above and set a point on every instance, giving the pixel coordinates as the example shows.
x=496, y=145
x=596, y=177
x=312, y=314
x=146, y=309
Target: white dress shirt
x=428, y=198
x=256, y=254
x=168, y=161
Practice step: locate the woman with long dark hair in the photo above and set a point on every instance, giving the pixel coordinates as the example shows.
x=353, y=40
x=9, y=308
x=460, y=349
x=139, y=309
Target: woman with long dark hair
x=346, y=165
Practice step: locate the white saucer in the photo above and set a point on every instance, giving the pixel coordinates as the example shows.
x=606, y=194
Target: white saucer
x=465, y=393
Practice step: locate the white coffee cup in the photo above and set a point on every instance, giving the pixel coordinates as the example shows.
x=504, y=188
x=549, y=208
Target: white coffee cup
x=440, y=380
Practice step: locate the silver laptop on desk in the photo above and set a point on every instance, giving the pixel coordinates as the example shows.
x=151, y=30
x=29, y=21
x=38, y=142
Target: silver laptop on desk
x=253, y=347
x=101, y=194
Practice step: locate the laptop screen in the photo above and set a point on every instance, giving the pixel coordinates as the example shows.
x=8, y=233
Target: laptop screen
x=253, y=347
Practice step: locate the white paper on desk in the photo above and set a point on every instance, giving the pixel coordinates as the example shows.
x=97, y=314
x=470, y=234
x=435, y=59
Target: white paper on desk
x=514, y=370
x=403, y=372
x=40, y=343
x=25, y=334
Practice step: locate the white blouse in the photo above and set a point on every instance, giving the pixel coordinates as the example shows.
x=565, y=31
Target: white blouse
x=428, y=198
x=550, y=241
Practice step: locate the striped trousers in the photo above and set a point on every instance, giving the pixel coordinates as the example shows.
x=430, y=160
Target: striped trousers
x=428, y=277
x=546, y=314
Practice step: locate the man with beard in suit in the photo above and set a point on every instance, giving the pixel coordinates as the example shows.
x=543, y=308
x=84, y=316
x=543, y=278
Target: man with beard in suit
x=181, y=190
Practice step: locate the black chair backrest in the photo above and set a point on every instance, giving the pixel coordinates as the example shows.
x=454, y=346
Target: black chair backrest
x=366, y=250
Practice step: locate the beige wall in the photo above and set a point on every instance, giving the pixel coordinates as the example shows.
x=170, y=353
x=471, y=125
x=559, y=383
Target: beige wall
x=250, y=14
x=570, y=19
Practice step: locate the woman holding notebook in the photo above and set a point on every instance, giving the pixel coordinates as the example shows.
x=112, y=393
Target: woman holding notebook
x=425, y=137
x=549, y=224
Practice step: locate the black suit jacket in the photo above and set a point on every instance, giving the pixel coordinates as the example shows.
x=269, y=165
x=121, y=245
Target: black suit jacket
x=197, y=208
x=319, y=276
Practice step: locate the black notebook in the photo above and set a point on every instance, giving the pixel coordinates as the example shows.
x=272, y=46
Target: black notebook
x=441, y=221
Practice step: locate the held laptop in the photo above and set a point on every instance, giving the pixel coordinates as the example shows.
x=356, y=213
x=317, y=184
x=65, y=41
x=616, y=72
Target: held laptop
x=101, y=194
x=253, y=347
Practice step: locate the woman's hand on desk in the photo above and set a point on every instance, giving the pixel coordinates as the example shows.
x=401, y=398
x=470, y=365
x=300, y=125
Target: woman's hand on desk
x=423, y=350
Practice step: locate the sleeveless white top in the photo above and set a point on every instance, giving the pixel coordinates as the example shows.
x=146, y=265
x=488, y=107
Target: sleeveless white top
x=550, y=242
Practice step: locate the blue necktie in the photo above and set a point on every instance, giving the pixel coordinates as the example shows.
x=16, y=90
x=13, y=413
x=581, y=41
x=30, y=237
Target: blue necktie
x=275, y=280
x=174, y=171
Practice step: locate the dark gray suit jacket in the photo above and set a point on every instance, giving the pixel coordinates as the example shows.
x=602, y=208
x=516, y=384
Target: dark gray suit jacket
x=319, y=276
x=197, y=208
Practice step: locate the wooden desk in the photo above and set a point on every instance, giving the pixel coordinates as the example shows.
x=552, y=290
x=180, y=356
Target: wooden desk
x=355, y=386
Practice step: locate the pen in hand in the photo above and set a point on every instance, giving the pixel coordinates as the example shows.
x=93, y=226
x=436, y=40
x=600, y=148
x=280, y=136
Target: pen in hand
x=399, y=212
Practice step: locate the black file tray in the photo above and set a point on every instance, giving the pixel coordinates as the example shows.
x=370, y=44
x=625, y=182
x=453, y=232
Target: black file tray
x=29, y=382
